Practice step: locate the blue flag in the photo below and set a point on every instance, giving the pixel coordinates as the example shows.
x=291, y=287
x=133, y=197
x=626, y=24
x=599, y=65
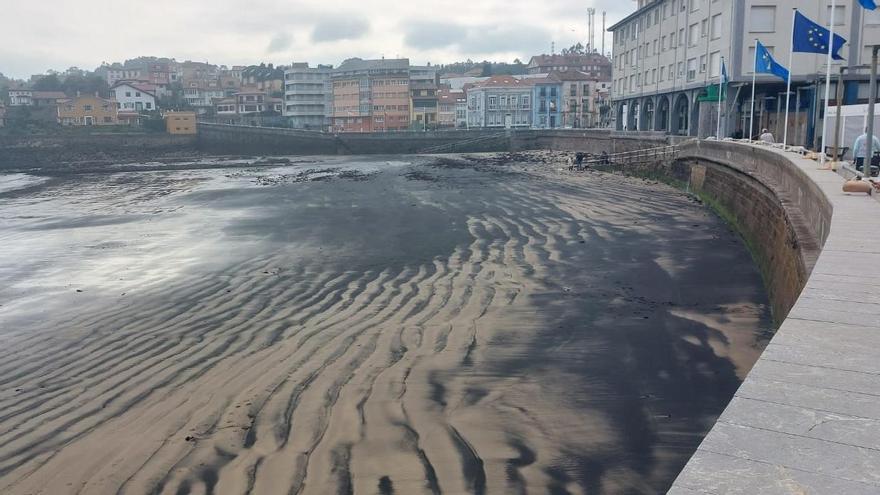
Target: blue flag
x=764, y=63
x=723, y=72
x=809, y=37
x=868, y=4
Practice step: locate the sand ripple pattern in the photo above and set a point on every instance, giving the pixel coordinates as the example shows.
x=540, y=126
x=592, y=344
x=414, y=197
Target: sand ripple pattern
x=508, y=365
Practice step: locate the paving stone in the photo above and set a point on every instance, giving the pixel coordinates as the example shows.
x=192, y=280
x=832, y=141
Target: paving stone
x=804, y=421
x=709, y=472
x=794, y=452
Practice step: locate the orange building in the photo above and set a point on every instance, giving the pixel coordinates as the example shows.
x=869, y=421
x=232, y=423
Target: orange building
x=370, y=95
x=87, y=110
x=180, y=122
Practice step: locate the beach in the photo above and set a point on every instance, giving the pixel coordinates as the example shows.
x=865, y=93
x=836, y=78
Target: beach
x=383, y=324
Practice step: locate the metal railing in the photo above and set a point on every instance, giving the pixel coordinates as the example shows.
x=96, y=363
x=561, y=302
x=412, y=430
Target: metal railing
x=642, y=156
x=447, y=147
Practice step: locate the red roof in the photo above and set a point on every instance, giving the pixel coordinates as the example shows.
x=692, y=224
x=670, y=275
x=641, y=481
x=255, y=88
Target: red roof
x=501, y=81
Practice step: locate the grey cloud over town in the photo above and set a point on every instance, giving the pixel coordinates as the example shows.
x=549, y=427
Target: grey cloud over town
x=252, y=31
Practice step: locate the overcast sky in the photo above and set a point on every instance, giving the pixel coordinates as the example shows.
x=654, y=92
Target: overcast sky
x=36, y=35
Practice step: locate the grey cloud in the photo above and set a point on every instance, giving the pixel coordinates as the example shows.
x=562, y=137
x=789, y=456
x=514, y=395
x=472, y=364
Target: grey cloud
x=521, y=39
x=427, y=35
x=279, y=42
x=478, y=40
x=340, y=29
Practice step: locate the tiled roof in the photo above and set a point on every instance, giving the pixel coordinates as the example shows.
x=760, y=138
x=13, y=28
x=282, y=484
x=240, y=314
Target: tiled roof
x=48, y=95
x=502, y=81
x=568, y=60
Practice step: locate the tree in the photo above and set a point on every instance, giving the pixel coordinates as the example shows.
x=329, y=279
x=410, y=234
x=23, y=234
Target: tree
x=517, y=61
x=576, y=49
x=50, y=82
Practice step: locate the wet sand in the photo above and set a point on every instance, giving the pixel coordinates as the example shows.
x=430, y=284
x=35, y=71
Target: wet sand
x=364, y=325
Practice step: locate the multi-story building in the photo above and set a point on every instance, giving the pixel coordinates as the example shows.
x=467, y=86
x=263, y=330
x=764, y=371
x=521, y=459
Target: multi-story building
x=575, y=98
x=2, y=115
x=87, y=111
x=190, y=71
x=451, y=108
x=371, y=95
x=47, y=98
x=667, y=57
x=308, y=96
x=423, y=83
x=547, y=104
x=117, y=72
x=594, y=65
x=132, y=97
x=20, y=97
x=500, y=101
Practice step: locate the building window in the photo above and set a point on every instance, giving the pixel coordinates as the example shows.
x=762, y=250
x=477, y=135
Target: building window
x=716, y=26
x=108, y=120
x=715, y=64
x=87, y=108
x=704, y=28
x=839, y=15
x=702, y=64
x=128, y=94
x=695, y=5
x=691, y=69
x=693, y=34
x=762, y=19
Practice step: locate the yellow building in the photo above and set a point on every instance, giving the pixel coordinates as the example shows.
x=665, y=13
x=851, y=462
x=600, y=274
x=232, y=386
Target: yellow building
x=87, y=110
x=180, y=122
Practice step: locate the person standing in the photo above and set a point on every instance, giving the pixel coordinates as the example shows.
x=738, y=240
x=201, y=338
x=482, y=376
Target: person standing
x=859, y=151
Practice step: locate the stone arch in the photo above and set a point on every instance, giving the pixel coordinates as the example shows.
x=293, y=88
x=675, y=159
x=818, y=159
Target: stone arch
x=646, y=121
x=680, y=115
x=632, y=115
x=661, y=115
x=695, y=115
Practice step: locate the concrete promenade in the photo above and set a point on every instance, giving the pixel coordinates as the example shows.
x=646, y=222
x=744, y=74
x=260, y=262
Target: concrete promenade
x=806, y=420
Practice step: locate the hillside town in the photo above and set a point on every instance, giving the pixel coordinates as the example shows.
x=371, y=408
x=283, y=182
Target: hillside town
x=565, y=90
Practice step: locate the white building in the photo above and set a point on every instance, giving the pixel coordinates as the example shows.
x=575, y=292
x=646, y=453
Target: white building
x=667, y=57
x=116, y=74
x=500, y=101
x=134, y=97
x=20, y=97
x=308, y=96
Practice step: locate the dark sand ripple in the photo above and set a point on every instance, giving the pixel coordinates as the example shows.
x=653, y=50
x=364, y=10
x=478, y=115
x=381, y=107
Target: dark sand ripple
x=484, y=331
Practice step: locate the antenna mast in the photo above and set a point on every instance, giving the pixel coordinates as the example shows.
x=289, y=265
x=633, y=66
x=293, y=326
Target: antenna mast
x=603, y=33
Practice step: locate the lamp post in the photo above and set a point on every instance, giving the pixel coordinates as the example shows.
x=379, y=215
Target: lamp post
x=869, y=132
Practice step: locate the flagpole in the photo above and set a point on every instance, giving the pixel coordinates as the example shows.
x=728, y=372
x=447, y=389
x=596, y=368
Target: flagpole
x=827, y=82
x=754, y=73
x=720, y=80
x=788, y=84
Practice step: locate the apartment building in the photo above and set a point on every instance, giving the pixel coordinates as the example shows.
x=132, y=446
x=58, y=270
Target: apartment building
x=308, y=96
x=594, y=65
x=500, y=101
x=547, y=106
x=423, y=84
x=370, y=95
x=667, y=56
x=451, y=108
x=87, y=111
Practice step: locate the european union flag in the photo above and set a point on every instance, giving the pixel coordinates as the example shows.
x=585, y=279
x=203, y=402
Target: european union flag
x=868, y=4
x=809, y=37
x=764, y=63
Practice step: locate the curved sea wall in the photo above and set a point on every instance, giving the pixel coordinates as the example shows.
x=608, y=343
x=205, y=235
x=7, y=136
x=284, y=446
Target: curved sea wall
x=805, y=419
x=781, y=213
